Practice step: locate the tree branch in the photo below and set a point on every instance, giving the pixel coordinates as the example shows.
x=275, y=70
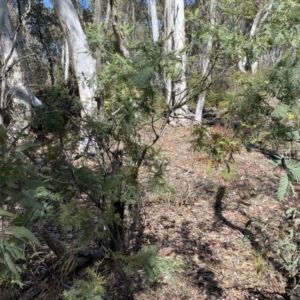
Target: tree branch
x=116, y=29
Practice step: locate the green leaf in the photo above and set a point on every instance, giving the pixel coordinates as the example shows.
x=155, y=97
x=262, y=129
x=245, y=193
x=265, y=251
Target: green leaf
x=22, y=232
x=280, y=111
x=294, y=168
x=283, y=187
x=11, y=265
x=15, y=252
x=5, y=213
x=15, y=198
x=30, y=201
x=143, y=76
x=294, y=134
x=33, y=184
x=290, y=210
x=25, y=146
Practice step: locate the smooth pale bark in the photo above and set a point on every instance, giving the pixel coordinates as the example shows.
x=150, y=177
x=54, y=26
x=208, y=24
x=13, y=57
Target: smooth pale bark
x=24, y=36
x=174, y=29
x=205, y=61
x=13, y=73
x=200, y=106
x=242, y=63
x=261, y=20
x=154, y=21
x=179, y=44
x=63, y=55
x=67, y=62
x=168, y=28
x=84, y=63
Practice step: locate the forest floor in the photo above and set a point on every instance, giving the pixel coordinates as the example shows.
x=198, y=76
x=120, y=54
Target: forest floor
x=201, y=223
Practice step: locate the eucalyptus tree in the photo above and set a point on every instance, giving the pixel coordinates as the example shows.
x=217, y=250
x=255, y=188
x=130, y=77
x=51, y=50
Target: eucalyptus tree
x=154, y=20
x=205, y=60
x=174, y=30
x=83, y=62
x=263, y=9
x=13, y=70
x=116, y=29
x=66, y=61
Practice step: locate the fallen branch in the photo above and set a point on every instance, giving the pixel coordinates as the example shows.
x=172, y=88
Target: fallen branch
x=80, y=257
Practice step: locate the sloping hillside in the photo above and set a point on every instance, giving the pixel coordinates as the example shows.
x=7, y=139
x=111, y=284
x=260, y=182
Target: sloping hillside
x=203, y=224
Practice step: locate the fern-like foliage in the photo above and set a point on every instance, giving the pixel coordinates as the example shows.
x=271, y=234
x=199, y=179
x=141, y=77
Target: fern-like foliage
x=284, y=187
x=284, y=79
x=220, y=148
x=22, y=201
x=155, y=268
x=292, y=174
x=92, y=288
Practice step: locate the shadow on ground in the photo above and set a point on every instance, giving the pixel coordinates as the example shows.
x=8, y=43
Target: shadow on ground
x=221, y=221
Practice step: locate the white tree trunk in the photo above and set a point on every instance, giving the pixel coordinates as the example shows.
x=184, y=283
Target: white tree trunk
x=67, y=62
x=154, y=21
x=63, y=56
x=22, y=95
x=175, y=23
x=179, y=44
x=169, y=27
x=200, y=106
x=205, y=62
x=84, y=63
x=242, y=63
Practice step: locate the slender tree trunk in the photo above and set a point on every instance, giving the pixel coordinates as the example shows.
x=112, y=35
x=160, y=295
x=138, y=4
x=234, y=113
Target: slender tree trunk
x=116, y=29
x=175, y=23
x=67, y=62
x=97, y=54
x=63, y=56
x=133, y=20
x=51, y=70
x=169, y=27
x=84, y=63
x=13, y=73
x=205, y=61
x=97, y=21
x=154, y=21
x=108, y=8
x=257, y=22
x=179, y=44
